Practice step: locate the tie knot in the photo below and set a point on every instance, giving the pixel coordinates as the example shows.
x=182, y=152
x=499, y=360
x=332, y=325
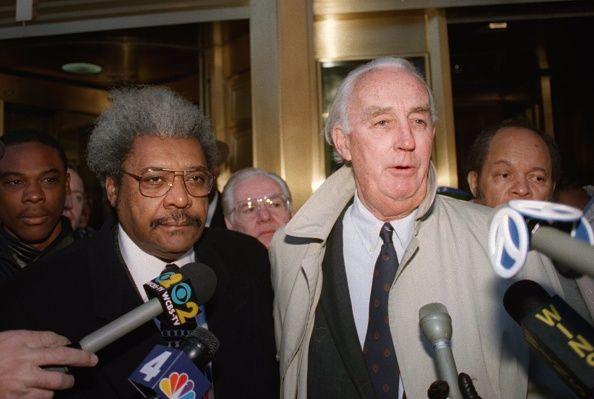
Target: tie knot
x=170, y=267
x=386, y=233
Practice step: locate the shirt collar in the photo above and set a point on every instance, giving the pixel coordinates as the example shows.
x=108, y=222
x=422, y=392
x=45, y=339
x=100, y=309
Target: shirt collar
x=368, y=226
x=144, y=267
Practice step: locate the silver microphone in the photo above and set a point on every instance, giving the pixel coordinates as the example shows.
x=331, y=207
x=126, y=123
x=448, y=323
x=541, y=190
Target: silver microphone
x=436, y=324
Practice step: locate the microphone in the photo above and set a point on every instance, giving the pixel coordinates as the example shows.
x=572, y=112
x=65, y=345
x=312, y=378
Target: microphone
x=200, y=346
x=438, y=390
x=436, y=325
x=574, y=254
x=558, y=231
x=553, y=329
x=176, y=296
x=168, y=372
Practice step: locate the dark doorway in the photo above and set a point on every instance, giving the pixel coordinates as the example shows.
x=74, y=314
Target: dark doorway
x=530, y=65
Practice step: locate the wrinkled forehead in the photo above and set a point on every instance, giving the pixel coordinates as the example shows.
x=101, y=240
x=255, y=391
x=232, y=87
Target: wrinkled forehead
x=521, y=143
x=153, y=151
x=388, y=84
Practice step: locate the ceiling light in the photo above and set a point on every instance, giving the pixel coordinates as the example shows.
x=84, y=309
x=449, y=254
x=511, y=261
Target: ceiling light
x=497, y=25
x=82, y=68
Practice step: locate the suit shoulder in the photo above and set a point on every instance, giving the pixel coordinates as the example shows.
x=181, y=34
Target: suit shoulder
x=230, y=240
x=464, y=211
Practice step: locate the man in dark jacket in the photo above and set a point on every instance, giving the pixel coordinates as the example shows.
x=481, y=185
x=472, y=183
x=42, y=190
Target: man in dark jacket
x=33, y=185
x=153, y=151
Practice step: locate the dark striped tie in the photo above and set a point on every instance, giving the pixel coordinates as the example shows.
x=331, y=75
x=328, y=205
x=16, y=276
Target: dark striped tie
x=378, y=348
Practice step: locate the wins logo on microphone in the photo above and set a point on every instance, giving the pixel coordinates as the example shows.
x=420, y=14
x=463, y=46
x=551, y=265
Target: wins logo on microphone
x=177, y=297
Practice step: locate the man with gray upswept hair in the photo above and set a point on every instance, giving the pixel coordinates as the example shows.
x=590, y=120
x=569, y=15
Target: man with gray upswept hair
x=145, y=111
x=373, y=245
x=152, y=150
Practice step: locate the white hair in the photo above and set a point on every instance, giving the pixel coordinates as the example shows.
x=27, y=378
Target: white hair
x=244, y=174
x=338, y=113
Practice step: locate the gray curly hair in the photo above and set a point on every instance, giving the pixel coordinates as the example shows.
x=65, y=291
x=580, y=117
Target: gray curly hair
x=338, y=113
x=144, y=110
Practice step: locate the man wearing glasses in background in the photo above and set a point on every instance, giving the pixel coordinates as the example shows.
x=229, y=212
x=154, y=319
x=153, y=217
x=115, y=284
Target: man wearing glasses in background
x=153, y=150
x=256, y=203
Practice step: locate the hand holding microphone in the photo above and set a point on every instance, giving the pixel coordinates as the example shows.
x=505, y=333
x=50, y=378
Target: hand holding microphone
x=24, y=353
x=171, y=291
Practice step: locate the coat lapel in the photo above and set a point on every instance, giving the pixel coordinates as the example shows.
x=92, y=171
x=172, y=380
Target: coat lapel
x=113, y=290
x=336, y=305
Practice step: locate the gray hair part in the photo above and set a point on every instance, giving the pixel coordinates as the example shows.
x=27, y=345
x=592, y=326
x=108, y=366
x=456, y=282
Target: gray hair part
x=244, y=174
x=338, y=113
x=139, y=111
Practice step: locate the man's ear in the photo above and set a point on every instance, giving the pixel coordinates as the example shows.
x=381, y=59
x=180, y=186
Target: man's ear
x=111, y=187
x=228, y=224
x=342, y=142
x=472, y=179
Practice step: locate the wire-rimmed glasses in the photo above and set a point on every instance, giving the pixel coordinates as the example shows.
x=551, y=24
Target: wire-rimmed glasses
x=156, y=182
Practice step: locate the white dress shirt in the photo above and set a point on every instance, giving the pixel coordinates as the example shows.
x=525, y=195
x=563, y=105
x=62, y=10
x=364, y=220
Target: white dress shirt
x=361, y=247
x=144, y=267
x=362, y=244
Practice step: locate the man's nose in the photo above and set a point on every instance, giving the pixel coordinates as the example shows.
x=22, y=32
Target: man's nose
x=177, y=195
x=33, y=193
x=263, y=213
x=404, y=138
x=521, y=187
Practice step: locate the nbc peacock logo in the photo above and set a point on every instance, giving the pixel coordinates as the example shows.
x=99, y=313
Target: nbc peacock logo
x=178, y=386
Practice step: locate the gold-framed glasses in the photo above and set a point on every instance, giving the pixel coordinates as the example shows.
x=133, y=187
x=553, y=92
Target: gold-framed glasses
x=275, y=203
x=156, y=182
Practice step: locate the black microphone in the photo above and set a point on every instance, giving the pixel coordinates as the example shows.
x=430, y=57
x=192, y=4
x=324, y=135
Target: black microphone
x=438, y=390
x=202, y=285
x=553, y=329
x=467, y=387
x=200, y=346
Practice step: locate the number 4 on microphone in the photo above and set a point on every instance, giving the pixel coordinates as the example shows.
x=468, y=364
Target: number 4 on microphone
x=153, y=367
x=167, y=372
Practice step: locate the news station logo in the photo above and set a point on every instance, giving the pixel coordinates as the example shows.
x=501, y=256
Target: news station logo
x=176, y=296
x=178, y=386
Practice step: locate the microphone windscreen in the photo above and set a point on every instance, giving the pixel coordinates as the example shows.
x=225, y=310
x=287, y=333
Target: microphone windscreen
x=203, y=279
x=206, y=338
x=523, y=297
x=431, y=309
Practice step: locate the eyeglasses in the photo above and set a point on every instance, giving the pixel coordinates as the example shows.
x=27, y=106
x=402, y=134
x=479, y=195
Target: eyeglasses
x=156, y=182
x=275, y=203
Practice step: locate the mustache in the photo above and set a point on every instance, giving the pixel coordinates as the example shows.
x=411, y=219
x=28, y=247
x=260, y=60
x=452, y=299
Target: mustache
x=177, y=218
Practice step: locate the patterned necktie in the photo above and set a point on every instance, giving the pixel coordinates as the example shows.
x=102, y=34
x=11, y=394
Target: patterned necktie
x=378, y=348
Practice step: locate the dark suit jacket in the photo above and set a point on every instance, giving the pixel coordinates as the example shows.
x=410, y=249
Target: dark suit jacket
x=218, y=218
x=83, y=287
x=336, y=365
